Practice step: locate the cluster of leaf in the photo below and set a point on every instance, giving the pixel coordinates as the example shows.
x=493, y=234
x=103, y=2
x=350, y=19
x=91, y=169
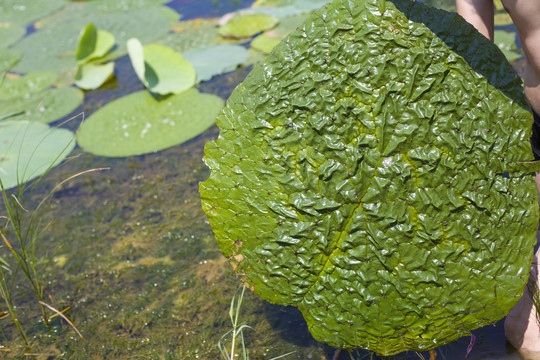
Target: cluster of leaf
x=92, y=48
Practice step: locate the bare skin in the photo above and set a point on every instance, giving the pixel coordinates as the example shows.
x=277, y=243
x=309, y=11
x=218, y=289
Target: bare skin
x=521, y=326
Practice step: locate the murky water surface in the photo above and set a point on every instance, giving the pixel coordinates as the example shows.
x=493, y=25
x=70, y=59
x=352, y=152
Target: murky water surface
x=131, y=258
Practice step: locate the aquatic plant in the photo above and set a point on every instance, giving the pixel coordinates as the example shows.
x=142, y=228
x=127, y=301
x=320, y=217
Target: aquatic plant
x=92, y=49
x=140, y=123
x=236, y=334
x=368, y=171
x=161, y=69
x=21, y=226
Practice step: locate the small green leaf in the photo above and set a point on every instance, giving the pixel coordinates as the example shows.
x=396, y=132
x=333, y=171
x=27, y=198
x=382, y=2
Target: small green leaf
x=264, y=43
x=161, y=69
x=93, y=44
x=246, y=25
x=92, y=76
x=28, y=149
x=140, y=123
x=215, y=60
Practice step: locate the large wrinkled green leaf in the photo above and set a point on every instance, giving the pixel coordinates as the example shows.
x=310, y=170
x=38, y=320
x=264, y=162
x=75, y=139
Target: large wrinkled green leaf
x=44, y=106
x=23, y=86
x=218, y=59
x=246, y=25
x=28, y=149
x=371, y=172
x=161, y=69
x=140, y=123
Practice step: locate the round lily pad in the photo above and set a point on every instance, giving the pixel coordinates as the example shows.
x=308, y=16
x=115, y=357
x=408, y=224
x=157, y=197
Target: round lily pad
x=28, y=149
x=27, y=11
x=161, y=69
x=10, y=33
x=246, y=25
x=191, y=34
x=22, y=87
x=140, y=123
x=107, y=6
x=214, y=60
x=376, y=172
x=44, y=106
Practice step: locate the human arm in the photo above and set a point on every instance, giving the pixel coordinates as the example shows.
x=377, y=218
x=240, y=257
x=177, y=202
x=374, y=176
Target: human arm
x=478, y=13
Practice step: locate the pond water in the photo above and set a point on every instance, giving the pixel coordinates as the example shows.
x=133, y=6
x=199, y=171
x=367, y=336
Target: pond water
x=130, y=256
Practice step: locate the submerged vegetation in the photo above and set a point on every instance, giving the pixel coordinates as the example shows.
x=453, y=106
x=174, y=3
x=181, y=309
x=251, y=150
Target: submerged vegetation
x=127, y=255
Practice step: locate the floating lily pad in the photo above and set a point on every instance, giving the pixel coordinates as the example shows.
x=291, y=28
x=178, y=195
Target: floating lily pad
x=93, y=44
x=41, y=53
x=139, y=123
x=161, y=69
x=264, y=43
x=215, y=60
x=28, y=149
x=27, y=11
x=24, y=86
x=44, y=106
x=506, y=41
x=246, y=25
x=191, y=34
x=10, y=33
x=9, y=58
x=372, y=171
x=92, y=76
x=107, y=6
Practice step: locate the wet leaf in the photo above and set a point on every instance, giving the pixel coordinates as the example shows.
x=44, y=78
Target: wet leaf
x=247, y=25
x=215, y=60
x=24, y=86
x=44, y=106
x=92, y=76
x=161, y=69
x=362, y=175
x=93, y=44
x=28, y=149
x=140, y=123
